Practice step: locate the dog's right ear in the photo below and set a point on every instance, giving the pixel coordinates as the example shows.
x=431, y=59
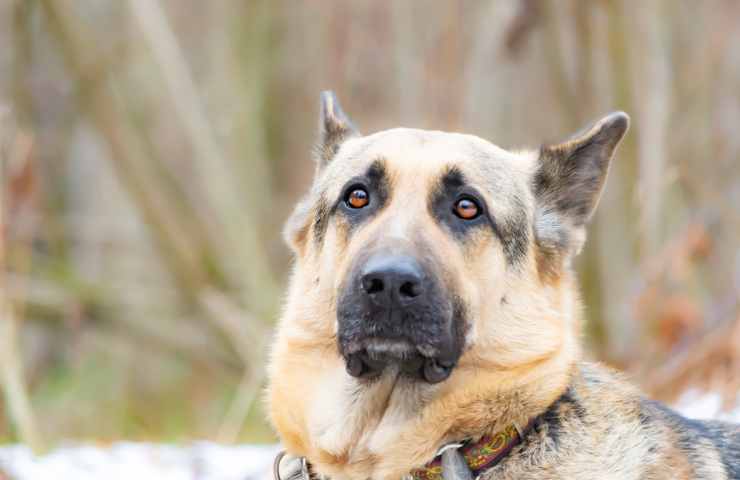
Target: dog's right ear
x=334, y=129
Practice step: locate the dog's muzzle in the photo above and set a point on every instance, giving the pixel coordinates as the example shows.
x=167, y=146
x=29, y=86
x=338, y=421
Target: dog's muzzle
x=393, y=311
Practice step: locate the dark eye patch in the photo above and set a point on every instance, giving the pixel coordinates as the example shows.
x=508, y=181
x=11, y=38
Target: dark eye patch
x=511, y=230
x=375, y=183
x=451, y=189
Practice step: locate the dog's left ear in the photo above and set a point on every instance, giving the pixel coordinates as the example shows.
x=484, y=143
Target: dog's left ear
x=334, y=129
x=568, y=182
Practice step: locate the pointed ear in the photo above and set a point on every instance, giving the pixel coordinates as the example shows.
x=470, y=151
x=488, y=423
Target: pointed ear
x=571, y=175
x=568, y=182
x=334, y=129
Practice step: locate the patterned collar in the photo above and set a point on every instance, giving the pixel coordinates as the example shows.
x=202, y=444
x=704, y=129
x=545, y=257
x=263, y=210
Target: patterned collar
x=480, y=455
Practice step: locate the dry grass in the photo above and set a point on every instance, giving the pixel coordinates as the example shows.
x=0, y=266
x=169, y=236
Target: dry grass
x=152, y=150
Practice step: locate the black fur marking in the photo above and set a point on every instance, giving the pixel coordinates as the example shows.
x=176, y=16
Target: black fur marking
x=453, y=179
x=515, y=232
x=321, y=221
x=451, y=187
x=378, y=176
x=512, y=231
x=645, y=418
x=724, y=436
x=376, y=182
x=565, y=409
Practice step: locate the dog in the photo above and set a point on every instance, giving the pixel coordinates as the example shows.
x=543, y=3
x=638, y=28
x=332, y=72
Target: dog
x=432, y=322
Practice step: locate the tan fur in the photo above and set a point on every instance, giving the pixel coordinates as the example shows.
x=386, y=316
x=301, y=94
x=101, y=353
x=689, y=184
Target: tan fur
x=394, y=426
x=522, y=345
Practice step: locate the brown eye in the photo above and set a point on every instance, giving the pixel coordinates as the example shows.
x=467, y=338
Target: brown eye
x=466, y=209
x=358, y=198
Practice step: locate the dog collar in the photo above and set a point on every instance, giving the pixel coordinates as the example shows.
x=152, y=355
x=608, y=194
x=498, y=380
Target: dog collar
x=479, y=456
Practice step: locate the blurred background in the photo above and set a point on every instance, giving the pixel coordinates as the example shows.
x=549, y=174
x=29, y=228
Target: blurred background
x=151, y=151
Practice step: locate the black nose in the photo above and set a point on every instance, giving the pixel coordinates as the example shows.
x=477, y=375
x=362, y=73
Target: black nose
x=392, y=280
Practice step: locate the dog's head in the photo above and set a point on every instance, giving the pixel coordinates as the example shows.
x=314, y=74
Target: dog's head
x=432, y=297
x=420, y=250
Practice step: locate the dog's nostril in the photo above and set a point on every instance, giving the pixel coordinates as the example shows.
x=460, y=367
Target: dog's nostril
x=410, y=289
x=372, y=285
x=392, y=281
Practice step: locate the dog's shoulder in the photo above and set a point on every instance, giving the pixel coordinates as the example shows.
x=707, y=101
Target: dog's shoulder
x=708, y=442
x=710, y=449
x=597, y=403
x=603, y=427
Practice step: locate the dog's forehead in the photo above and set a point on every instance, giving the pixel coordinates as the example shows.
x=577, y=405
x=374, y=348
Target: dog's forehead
x=428, y=149
x=426, y=154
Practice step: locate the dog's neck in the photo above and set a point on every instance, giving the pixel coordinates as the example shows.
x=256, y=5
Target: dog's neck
x=384, y=429
x=350, y=428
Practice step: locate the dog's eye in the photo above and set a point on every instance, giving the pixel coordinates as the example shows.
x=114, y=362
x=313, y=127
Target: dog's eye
x=466, y=208
x=357, y=198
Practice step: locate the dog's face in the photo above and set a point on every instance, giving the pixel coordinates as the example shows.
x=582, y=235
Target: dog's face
x=426, y=244
x=431, y=283
x=423, y=229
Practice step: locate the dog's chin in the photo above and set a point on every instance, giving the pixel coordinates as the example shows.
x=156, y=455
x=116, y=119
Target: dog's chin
x=370, y=357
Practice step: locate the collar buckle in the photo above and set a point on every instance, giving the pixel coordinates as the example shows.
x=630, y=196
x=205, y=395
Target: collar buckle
x=288, y=467
x=454, y=465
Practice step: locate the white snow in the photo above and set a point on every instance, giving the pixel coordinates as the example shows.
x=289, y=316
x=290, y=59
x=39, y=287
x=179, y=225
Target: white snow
x=209, y=461
x=706, y=406
x=139, y=461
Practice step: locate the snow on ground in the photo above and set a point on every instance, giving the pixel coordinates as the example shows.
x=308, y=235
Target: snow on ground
x=140, y=461
x=706, y=406
x=209, y=461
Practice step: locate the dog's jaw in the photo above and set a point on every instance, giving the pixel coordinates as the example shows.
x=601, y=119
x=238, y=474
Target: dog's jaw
x=370, y=358
x=350, y=428
x=380, y=430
